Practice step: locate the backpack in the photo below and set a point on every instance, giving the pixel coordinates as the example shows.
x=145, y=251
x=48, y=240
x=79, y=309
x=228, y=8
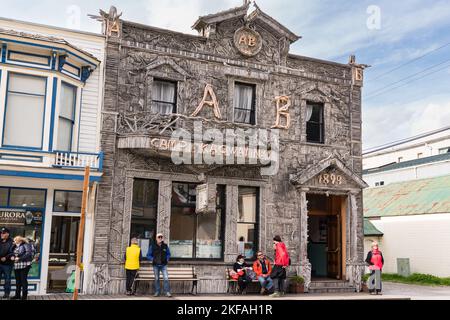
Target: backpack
x=33, y=250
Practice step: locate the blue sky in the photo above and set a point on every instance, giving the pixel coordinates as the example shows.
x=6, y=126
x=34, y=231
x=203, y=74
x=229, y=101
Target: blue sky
x=331, y=30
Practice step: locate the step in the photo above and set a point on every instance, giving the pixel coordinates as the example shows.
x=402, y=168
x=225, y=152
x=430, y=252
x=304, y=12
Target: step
x=332, y=290
x=330, y=284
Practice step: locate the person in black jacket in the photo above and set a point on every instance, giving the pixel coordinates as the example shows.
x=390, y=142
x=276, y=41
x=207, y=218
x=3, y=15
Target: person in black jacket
x=23, y=257
x=240, y=267
x=159, y=255
x=6, y=264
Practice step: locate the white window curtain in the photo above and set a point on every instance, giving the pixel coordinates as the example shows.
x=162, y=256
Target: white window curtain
x=66, y=117
x=163, y=96
x=309, y=112
x=243, y=103
x=24, y=116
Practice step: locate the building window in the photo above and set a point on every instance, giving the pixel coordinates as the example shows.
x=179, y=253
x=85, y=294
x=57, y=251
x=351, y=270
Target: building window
x=247, y=224
x=196, y=236
x=66, y=116
x=244, y=103
x=419, y=155
x=24, y=115
x=23, y=214
x=444, y=150
x=400, y=159
x=164, y=97
x=315, y=132
x=67, y=201
x=144, y=212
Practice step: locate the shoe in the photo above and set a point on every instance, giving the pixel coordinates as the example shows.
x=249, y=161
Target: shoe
x=128, y=293
x=6, y=296
x=168, y=295
x=263, y=291
x=156, y=295
x=379, y=293
x=372, y=293
x=276, y=294
x=15, y=298
x=24, y=298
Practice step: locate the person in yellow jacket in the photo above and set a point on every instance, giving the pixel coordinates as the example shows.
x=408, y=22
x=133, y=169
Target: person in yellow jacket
x=133, y=257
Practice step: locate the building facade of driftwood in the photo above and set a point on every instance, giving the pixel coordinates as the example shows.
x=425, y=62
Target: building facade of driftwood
x=236, y=74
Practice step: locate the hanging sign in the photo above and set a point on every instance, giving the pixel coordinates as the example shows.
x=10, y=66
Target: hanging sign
x=206, y=198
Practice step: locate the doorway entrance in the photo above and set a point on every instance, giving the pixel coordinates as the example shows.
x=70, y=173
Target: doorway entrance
x=327, y=236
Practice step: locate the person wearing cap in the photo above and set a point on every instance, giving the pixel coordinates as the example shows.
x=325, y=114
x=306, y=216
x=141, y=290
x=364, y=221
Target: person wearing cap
x=6, y=264
x=159, y=255
x=241, y=268
x=133, y=257
x=282, y=261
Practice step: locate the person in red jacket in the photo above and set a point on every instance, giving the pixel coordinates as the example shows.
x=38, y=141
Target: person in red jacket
x=376, y=261
x=262, y=268
x=282, y=261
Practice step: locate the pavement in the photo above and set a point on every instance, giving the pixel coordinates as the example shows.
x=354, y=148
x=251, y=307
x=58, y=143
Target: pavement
x=391, y=291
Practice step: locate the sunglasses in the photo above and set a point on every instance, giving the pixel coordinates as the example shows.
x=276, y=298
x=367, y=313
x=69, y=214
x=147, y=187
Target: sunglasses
x=160, y=237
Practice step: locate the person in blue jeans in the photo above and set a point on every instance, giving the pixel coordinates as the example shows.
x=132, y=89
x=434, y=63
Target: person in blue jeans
x=159, y=255
x=6, y=264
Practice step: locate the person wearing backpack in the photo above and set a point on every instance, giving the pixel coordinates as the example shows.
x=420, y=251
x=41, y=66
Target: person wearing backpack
x=22, y=258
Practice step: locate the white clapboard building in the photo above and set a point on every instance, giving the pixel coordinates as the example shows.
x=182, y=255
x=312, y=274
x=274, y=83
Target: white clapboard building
x=51, y=90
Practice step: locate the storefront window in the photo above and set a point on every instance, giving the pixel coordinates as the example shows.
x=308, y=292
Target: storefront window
x=63, y=248
x=30, y=198
x=22, y=212
x=67, y=201
x=247, y=227
x=144, y=212
x=195, y=236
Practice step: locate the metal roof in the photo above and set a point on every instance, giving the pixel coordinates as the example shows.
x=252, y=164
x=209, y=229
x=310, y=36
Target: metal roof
x=407, y=164
x=371, y=230
x=416, y=197
x=399, y=142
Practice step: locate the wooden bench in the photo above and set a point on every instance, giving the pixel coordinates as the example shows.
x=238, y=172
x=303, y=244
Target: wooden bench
x=175, y=274
x=232, y=286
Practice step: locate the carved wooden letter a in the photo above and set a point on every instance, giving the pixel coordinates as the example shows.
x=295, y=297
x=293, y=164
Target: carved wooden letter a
x=209, y=91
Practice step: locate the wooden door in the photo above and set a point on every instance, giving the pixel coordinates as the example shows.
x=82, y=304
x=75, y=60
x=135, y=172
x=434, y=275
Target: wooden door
x=334, y=247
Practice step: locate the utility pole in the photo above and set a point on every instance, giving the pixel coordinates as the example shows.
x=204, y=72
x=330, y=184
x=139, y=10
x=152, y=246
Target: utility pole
x=80, y=241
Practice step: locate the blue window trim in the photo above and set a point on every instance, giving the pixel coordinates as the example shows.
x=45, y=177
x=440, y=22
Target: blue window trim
x=36, y=159
x=52, y=116
x=43, y=116
x=79, y=120
x=31, y=209
x=75, y=91
x=49, y=47
x=64, y=212
x=4, y=50
x=41, y=175
x=73, y=66
x=48, y=64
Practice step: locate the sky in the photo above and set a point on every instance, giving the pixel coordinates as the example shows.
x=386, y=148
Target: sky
x=406, y=43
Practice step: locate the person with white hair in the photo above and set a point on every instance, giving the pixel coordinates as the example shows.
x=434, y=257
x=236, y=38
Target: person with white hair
x=22, y=258
x=376, y=261
x=159, y=255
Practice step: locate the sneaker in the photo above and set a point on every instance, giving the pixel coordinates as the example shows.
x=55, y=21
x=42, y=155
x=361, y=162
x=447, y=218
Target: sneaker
x=276, y=294
x=6, y=296
x=263, y=291
x=372, y=293
x=156, y=295
x=15, y=298
x=168, y=295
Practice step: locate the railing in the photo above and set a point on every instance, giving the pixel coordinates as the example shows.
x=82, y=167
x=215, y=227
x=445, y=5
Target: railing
x=78, y=160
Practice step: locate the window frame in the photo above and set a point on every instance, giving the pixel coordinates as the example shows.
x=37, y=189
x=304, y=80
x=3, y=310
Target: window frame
x=223, y=207
x=256, y=223
x=33, y=209
x=7, y=91
x=175, y=98
x=64, y=213
x=75, y=104
x=155, y=206
x=252, y=110
x=320, y=124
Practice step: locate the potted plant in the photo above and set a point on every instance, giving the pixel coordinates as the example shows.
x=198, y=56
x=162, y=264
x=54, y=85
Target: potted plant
x=364, y=279
x=297, y=285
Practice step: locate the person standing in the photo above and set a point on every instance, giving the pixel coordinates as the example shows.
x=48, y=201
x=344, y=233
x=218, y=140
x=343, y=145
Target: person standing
x=159, y=255
x=22, y=257
x=263, y=268
x=132, y=264
x=376, y=261
x=6, y=264
x=282, y=261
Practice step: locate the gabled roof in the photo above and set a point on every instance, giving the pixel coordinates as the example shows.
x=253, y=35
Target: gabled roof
x=416, y=197
x=407, y=164
x=371, y=230
x=53, y=40
x=241, y=12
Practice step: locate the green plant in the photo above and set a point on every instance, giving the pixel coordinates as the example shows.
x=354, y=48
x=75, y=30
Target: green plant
x=417, y=278
x=298, y=280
